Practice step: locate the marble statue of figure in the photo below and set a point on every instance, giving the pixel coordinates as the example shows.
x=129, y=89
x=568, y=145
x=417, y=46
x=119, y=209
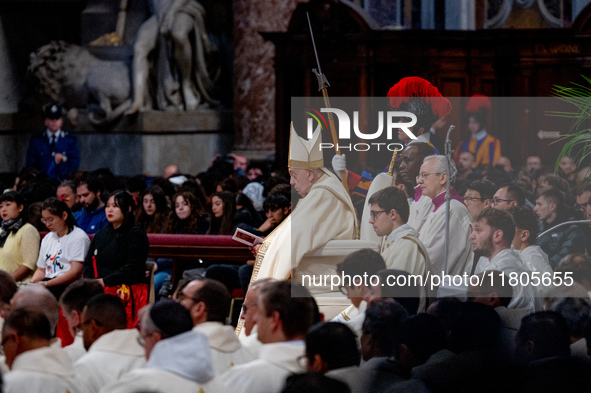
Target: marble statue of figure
x=176, y=31
x=70, y=75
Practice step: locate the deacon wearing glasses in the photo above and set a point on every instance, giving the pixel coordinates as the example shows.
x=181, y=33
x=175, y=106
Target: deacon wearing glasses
x=433, y=181
x=401, y=249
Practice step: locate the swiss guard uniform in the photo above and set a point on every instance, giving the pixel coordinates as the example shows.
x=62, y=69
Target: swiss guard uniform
x=485, y=147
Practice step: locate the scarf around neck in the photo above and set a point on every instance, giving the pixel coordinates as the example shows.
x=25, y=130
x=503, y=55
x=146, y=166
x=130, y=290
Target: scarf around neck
x=10, y=226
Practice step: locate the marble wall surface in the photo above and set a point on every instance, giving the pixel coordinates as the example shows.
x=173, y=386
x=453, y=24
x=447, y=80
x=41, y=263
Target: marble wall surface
x=192, y=153
x=7, y=103
x=254, y=75
x=7, y=77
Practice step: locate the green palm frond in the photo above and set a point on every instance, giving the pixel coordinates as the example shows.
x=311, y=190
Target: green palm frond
x=578, y=140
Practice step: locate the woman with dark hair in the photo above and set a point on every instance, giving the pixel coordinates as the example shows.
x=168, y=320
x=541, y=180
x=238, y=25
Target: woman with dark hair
x=223, y=207
x=195, y=186
x=117, y=255
x=153, y=211
x=188, y=216
x=153, y=216
x=19, y=241
x=62, y=253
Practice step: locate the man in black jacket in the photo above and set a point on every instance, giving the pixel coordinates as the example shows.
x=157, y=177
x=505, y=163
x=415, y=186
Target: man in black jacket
x=568, y=239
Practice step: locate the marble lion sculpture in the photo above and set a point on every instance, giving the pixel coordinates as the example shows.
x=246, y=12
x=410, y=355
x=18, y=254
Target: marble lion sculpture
x=71, y=75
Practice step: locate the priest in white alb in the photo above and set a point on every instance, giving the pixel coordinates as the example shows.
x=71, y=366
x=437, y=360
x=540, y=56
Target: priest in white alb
x=283, y=319
x=433, y=181
x=179, y=360
x=35, y=366
x=208, y=302
x=112, y=349
x=324, y=213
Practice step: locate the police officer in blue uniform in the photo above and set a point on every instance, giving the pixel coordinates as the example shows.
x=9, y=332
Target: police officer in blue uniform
x=54, y=152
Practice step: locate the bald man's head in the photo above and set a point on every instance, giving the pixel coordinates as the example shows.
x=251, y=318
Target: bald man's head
x=37, y=298
x=411, y=160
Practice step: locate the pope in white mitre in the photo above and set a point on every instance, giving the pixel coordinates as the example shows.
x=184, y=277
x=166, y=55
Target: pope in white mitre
x=324, y=213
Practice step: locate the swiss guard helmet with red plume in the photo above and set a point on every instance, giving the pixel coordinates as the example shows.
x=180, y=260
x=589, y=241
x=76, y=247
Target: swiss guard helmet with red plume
x=478, y=106
x=419, y=97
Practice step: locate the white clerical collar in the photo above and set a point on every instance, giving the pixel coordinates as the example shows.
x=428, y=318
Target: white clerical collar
x=397, y=232
x=480, y=135
x=423, y=138
x=299, y=343
x=57, y=135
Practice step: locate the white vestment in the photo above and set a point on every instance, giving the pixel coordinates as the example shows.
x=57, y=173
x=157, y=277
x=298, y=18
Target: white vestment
x=404, y=251
x=226, y=350
x=325, y=213
x=535, y=259
x=152, y=380
x=508, y=261
x=108, y=358
x=432, y=234
x=76, y=350
x=251, y=342
x=267, y=374
x=181, y=363
x=3, y=366
x=47, y=370
x=353, y=317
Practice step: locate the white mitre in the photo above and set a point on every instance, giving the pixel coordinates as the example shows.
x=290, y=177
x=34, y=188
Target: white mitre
x=305, y=154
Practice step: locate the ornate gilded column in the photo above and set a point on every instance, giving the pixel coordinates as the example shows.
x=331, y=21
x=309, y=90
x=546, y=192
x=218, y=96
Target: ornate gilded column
x=254, y=75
